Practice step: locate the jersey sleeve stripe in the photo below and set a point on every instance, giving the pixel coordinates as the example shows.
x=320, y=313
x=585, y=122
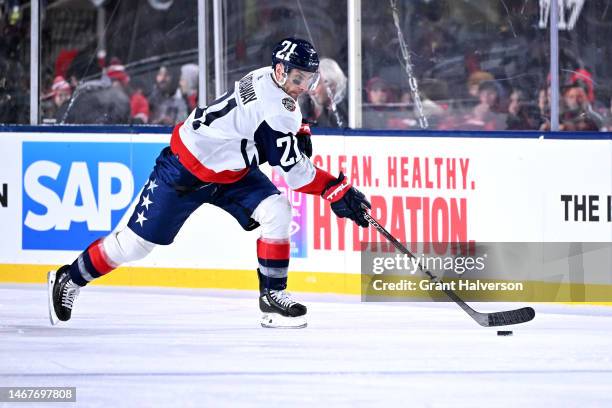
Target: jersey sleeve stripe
x=318, y=183
x=198, y=169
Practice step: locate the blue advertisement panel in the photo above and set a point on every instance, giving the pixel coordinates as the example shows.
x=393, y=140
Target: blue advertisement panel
x=76, y=192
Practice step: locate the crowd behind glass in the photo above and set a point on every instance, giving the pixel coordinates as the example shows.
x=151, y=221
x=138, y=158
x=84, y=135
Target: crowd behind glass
x=479, y=65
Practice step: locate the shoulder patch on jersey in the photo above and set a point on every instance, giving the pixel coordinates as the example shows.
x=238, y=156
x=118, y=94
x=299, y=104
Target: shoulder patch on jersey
x=289, y=104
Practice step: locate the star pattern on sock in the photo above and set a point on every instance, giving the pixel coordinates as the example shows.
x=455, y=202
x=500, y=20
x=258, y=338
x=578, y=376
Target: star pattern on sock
x=146, y=202
x=141, y=218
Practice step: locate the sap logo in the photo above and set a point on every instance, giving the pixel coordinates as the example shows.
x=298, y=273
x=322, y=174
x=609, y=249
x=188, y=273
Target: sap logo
x=74, y=193
x=78, y=201
x=4, y=195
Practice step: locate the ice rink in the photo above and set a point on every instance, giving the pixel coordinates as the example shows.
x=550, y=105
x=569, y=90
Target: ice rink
x=135, y=347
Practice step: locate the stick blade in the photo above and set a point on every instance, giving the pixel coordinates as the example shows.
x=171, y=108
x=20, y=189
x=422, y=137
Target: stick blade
x=507, y=318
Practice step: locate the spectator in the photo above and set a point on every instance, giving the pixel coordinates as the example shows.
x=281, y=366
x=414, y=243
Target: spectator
x=140, y=110
x=544, y=96
x=577, y=114
x=575, y=97
x=56, y=102
x=462, y=114
x=14, y=75
x=407, y=117
x=167, y=104
x=431, y=109
x=326, y=105
x=522, y=114
x=189, y=85
x=586, y=79
x=376, y=113
x=139, y=105
x=608, y=119
x=517, y=98
x=96, y=101
x=116, y=73
x=82, y=68
x=474, y=81
x=487, y=114
x=14, y=99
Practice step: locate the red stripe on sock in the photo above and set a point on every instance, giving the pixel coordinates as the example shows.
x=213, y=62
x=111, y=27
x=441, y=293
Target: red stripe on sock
x=98, y=258
x=273, y=249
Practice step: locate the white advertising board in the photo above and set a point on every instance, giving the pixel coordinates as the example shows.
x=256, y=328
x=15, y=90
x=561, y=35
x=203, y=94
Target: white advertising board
x=65, y=190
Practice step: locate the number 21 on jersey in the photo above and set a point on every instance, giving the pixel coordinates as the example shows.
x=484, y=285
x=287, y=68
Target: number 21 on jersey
x=290, y=150
x=212, y=116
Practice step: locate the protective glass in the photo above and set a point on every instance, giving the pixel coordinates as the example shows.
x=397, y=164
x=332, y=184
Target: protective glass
x=134, y=61
x=452, y=65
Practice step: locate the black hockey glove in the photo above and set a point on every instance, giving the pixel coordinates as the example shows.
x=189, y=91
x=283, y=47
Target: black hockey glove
x=346, y=201
x=303, y=139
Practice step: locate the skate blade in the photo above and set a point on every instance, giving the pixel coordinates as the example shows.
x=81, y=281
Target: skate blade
x=276, y=321
x=51, y=276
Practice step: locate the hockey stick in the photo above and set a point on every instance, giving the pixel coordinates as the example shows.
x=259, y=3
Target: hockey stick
x=504, y=318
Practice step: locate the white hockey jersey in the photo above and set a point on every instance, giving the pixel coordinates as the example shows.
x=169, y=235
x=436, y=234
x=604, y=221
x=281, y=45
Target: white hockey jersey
x=253, y=123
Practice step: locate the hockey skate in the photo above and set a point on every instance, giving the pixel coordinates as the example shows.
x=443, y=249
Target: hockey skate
x=279, y=310
x=62, y=294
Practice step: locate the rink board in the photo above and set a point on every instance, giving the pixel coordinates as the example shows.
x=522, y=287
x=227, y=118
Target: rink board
x=63, y=190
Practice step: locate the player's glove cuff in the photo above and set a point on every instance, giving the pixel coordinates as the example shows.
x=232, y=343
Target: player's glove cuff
x=303, y=139
x=346, y=201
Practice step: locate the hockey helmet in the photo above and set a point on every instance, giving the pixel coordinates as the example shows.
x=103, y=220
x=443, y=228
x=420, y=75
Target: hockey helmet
x=299, y=54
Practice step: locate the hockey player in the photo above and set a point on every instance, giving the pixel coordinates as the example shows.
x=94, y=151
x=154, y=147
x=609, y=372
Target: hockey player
x=213, y=158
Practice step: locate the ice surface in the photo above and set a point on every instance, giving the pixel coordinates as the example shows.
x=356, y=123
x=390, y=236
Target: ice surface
x=137, y=347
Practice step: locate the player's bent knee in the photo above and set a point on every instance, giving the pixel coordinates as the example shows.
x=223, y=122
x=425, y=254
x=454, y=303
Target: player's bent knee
x=274, y=216
x=125, y=246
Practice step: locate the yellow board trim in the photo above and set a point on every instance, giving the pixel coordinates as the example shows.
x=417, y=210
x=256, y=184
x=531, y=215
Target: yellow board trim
x=317, y=282
x=340, y=283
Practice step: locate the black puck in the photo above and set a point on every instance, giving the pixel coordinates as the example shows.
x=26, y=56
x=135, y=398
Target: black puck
x=504, y=332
